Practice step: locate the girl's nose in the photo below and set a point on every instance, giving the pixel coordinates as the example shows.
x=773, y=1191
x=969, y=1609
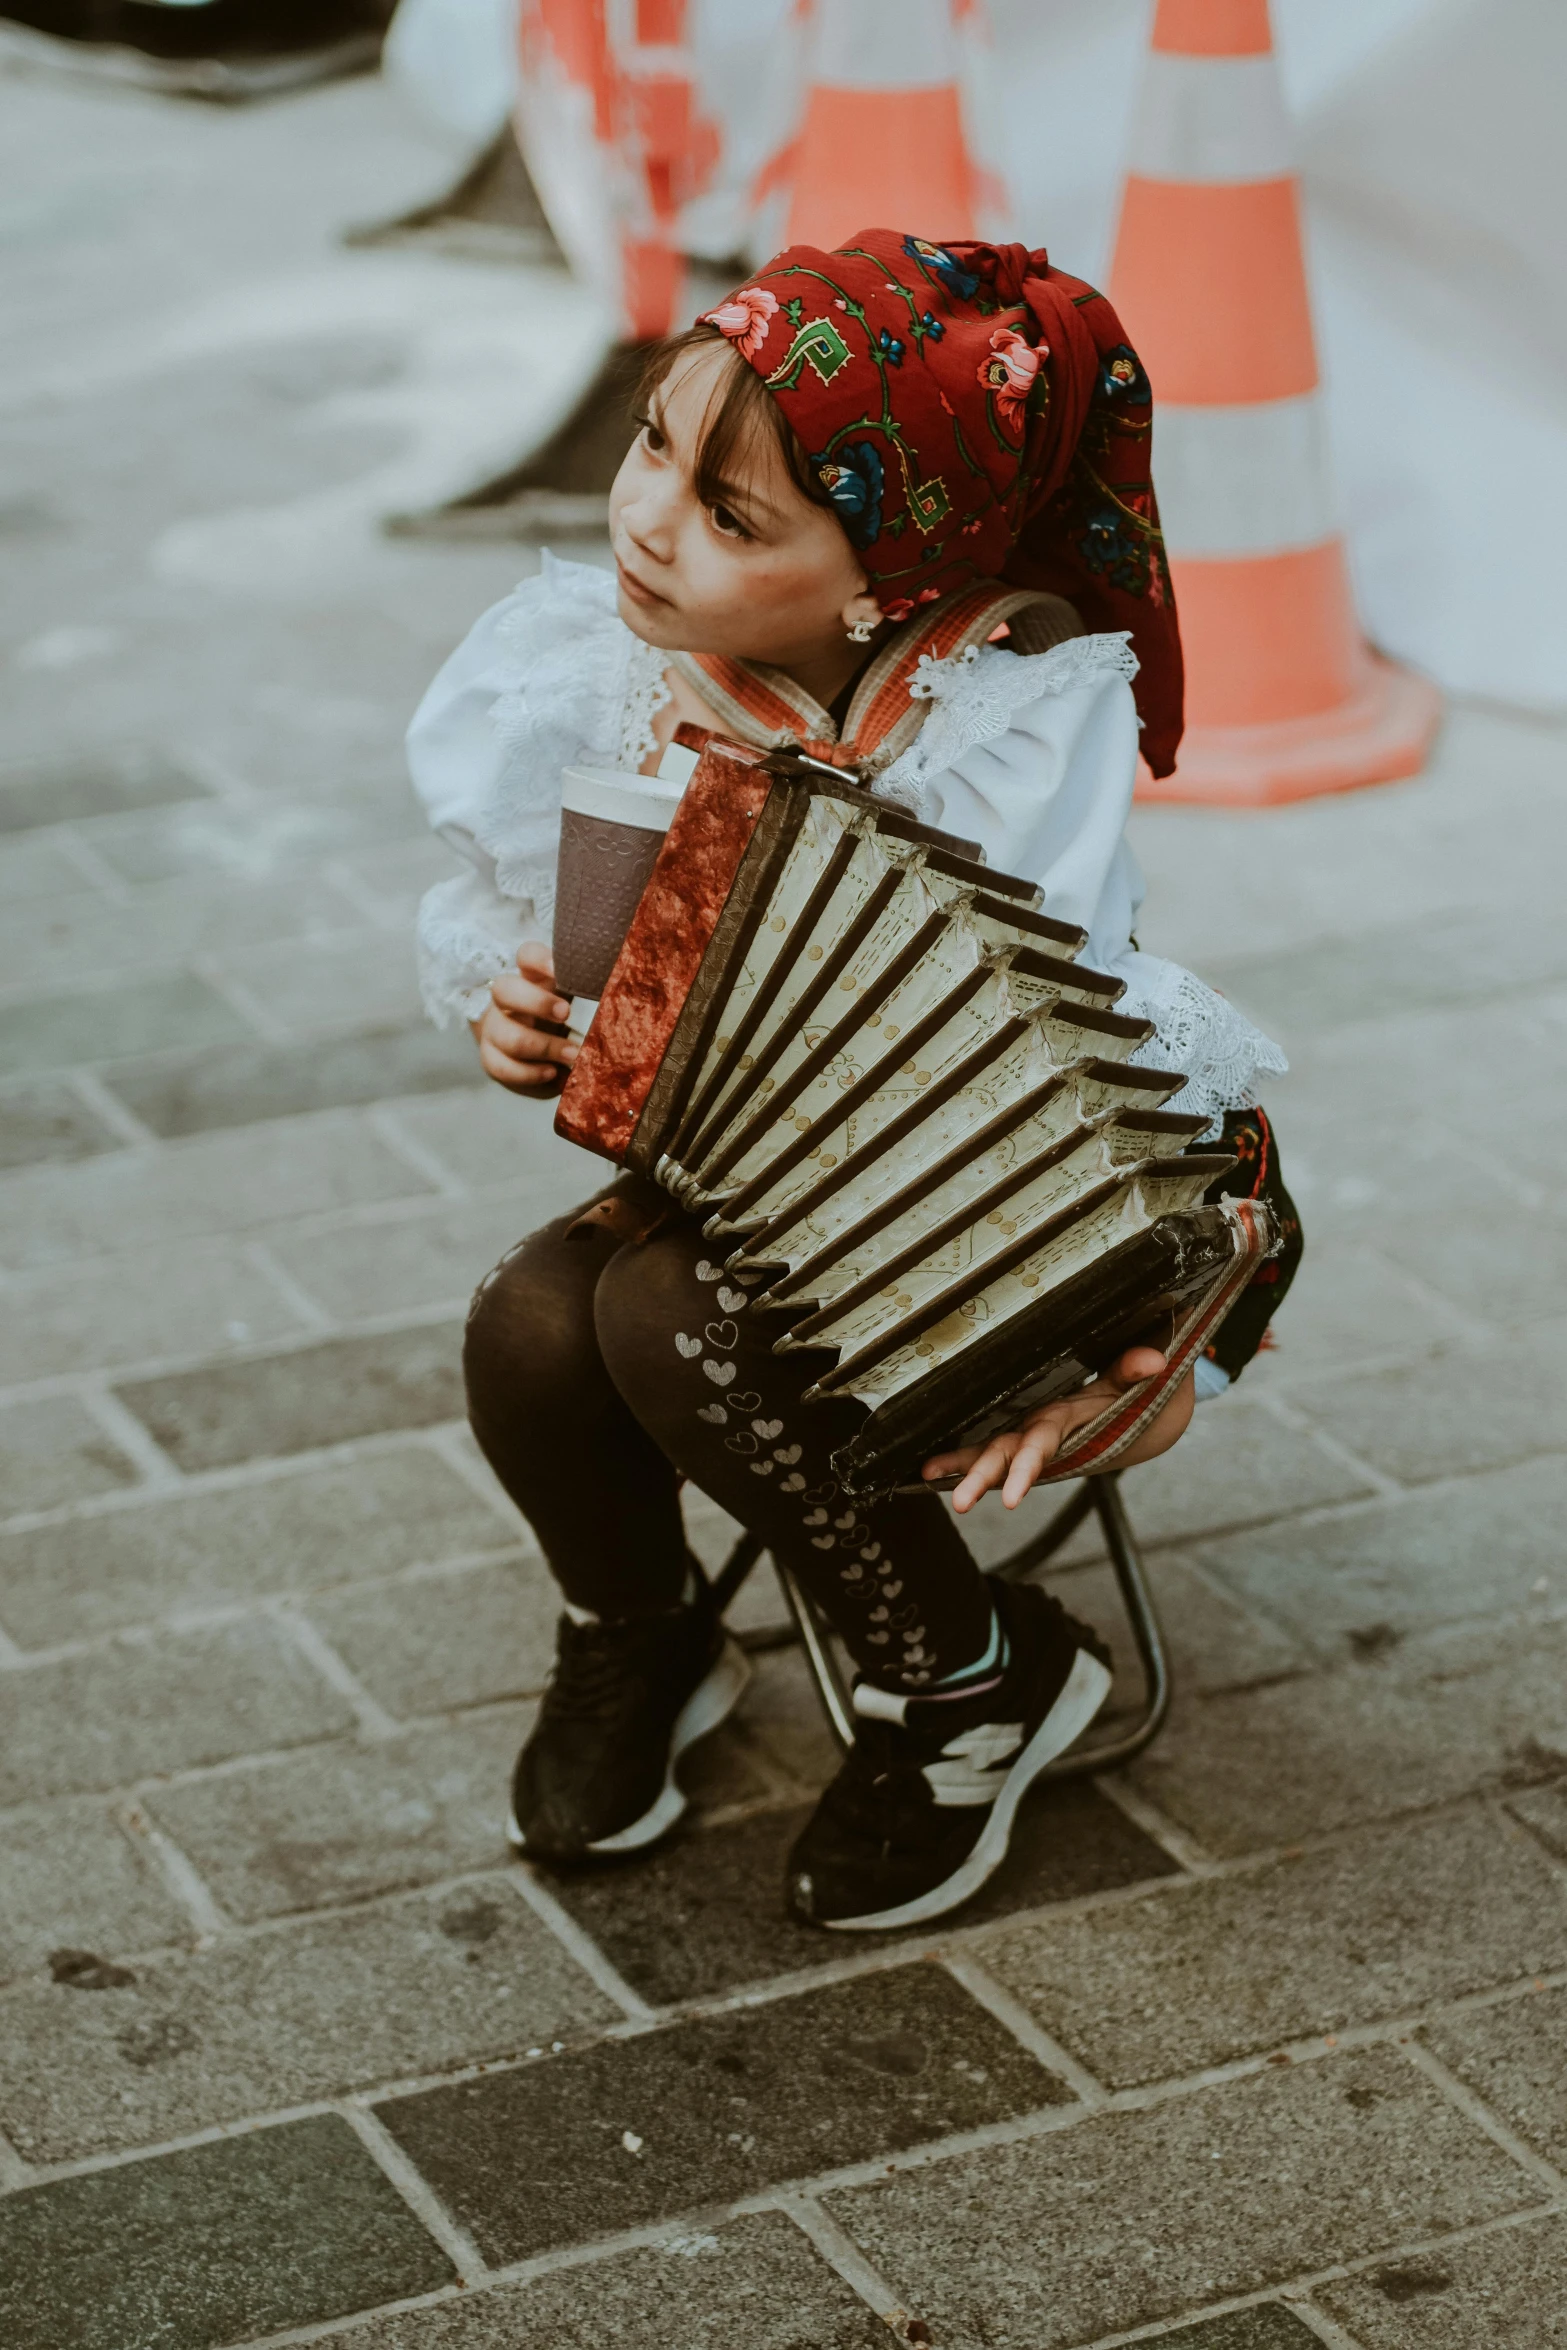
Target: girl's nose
x=651, y=518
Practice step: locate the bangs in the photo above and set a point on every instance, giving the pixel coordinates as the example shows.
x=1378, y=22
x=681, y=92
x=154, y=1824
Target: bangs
x=742, y=417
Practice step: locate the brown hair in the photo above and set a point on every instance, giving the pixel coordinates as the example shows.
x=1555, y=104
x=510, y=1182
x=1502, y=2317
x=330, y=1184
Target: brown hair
x=744, y=410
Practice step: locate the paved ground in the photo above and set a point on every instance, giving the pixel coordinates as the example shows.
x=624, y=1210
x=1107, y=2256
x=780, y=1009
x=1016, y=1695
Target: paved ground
x=1261, y=2045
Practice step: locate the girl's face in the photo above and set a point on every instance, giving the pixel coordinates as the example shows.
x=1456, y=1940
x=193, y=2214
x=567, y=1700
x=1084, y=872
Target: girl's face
x=764, y=575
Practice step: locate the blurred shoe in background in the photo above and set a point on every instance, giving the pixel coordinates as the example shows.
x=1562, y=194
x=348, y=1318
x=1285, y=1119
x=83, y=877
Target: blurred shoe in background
x=228, y=50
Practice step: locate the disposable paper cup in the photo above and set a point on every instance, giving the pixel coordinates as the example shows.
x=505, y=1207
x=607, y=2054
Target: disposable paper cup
x=612, y=827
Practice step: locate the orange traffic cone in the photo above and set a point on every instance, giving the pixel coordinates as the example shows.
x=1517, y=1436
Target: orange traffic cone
x=1284, y=698
x=881, y=142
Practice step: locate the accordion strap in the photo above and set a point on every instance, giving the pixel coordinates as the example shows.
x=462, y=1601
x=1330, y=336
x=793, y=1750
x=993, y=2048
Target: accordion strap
x=765, y=709
x=1098, y=1445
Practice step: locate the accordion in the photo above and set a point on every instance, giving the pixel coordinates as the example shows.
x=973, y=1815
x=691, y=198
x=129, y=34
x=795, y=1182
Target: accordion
x=874, y=1068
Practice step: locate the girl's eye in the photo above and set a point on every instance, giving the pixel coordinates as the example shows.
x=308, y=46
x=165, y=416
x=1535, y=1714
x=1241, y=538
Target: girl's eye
x=728, y=524
x=652, y=436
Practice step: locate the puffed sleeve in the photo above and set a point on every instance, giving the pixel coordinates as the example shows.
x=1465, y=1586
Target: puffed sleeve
x=1035, y=757
x=468, y=930
x=538, y=682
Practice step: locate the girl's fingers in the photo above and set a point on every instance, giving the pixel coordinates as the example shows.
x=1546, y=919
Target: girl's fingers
x=537, y=961
x=951, y=1464
x=520, y=1041
x=513, y=993
x=531, y=1077
x=988, y=1470
x=1038, y=1448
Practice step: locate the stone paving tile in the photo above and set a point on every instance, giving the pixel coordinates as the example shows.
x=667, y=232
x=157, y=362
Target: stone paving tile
x=466, y=1638
x=277, y=2018
x=1474, y=1548
x=238, y=1543
x=241, y=1088
x=1515, y=2057
x=199, y=1297
x=755, y=2284
x=1266, y=2326
x=782, y=1711
x=112, y=1024
x=104, y=783
x=1440, y=1716
x=212, y=1183
x=1457, y=1411
x=1214, y=1642
x=31, y=868
x=269, y=1405
x=488, y=1137
x=406, y=1265
x=706, y=1912
x=1349, y=1305
x=723, y=2106
x=304, y=1834
x=135, y=1708
x=1409, y=1164
x=149, y=2253
x=1133, y=2217
x=1502, y=2291
x=56, y=940
x=1365, y=1930
x=46, y=1119
x=55, y=1451
x=1335, y=982
x=76, y=1879
x=399, y=872
x=320, y=988
x=1479, y=1263
x=1235, y=1466
x=1544, y=1810
x=246, y=840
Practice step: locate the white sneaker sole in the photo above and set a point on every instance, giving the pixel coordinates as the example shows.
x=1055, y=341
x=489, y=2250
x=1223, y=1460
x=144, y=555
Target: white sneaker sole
x=709, y=1703
x=1087, y=1687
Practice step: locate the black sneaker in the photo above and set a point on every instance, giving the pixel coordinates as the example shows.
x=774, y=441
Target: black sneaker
x=597, y=1775
x=921, y=1812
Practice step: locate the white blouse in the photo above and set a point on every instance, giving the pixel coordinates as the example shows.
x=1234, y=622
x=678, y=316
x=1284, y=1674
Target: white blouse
x=1034, y=756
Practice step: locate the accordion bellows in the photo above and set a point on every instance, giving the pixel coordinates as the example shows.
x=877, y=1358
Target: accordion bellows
x=871, y=1064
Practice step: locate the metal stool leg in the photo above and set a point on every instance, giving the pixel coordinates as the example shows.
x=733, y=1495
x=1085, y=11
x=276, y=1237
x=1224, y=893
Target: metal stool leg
x=1130, y=1573
x=816, y=1640
x=1101, y=1494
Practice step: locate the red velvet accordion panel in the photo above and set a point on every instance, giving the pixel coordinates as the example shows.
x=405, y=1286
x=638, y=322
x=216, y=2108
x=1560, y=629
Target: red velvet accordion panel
x=605, y=1095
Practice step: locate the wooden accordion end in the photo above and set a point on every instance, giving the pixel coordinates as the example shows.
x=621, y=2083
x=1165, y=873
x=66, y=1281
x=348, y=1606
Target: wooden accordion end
x=876, y=1071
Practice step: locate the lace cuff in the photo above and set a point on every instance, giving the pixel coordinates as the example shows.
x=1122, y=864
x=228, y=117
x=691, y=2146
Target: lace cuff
x=1223, y=1055
x=467, y=935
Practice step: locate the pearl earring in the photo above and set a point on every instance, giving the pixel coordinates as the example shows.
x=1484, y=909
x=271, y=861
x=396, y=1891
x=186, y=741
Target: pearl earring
x=862, y=632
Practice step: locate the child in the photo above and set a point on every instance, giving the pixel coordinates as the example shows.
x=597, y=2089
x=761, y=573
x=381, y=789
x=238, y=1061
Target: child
x=859, y=456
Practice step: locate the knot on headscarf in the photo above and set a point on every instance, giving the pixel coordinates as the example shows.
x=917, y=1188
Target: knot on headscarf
x=974, y=413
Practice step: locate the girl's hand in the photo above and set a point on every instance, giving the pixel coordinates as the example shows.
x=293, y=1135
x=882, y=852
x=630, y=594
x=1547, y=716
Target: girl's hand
x=1013, y=1461
x=522, y=1036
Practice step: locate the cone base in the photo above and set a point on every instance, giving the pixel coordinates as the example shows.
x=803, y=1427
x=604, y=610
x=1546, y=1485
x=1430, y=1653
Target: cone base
x=1383, y=732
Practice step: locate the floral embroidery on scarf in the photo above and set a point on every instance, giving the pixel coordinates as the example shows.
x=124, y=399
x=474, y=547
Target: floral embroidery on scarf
x=854, y=480
x=945, y=267
x=1010, y=374
x=744, y=318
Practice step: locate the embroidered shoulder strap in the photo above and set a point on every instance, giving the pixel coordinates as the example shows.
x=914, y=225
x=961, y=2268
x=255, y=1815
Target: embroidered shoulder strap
x=768, y=711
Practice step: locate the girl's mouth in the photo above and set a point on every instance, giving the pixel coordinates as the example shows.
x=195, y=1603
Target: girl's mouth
x=635, y=588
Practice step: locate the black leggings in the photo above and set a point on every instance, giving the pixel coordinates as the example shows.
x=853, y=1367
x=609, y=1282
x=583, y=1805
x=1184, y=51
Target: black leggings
x=602, y=1370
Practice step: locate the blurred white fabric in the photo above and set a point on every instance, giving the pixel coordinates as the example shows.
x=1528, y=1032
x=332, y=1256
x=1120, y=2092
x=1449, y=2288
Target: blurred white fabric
x=455, y=61
x=1427, y=136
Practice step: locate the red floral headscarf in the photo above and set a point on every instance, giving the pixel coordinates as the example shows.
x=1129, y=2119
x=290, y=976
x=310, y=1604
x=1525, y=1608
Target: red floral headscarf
x=974, y=414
